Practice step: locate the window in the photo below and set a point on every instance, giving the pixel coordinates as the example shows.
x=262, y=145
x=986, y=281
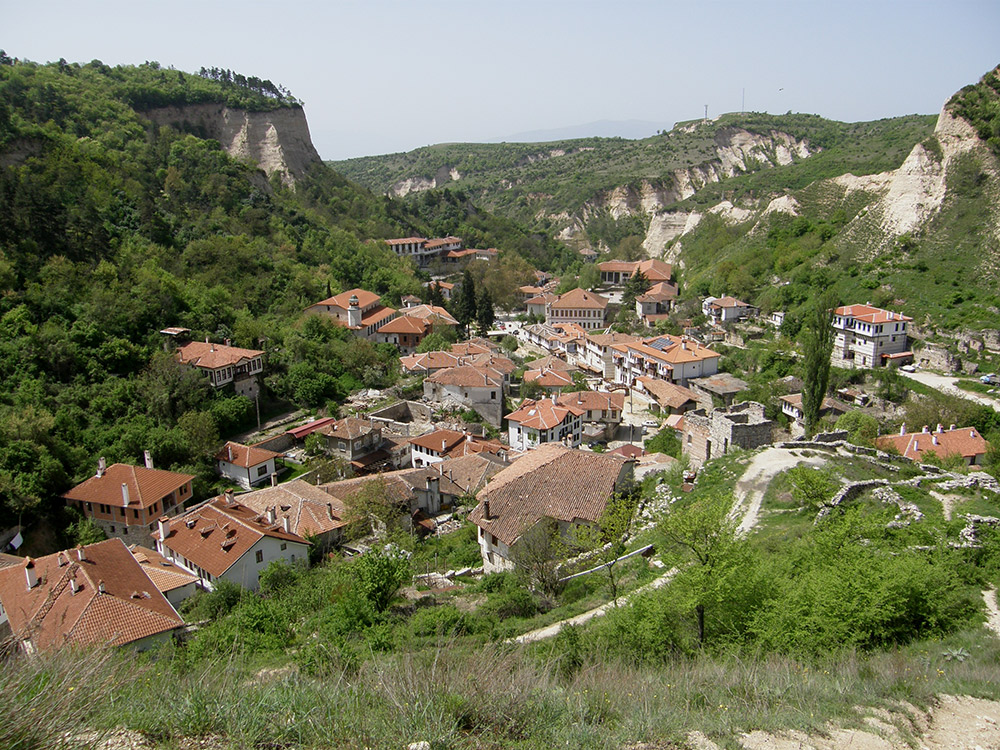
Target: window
x=262, y=471
x=284, y=546
x=260, y=556
x=135, y=514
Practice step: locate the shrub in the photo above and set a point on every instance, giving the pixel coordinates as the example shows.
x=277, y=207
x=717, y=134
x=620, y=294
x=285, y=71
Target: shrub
x=446, y=619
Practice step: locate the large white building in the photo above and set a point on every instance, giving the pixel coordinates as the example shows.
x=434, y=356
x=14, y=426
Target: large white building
x=578, y=306
x=544, y=421
x=867, y=336
x=672, y=358
x=359, y=310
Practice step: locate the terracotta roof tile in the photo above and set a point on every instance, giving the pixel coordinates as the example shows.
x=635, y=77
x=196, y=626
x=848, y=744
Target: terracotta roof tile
x=213, y=356
x=54, y=612
x=543, y=414
x=164, y=574
x=145, y=486
x=548, y=482
x=593, y=400
x=869, y=314
x=348, y=428
x=964, y=441
x=580, y=299
x=246, y=456
x=311, y=511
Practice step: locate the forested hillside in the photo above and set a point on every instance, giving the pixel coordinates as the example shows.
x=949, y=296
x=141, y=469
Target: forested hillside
x=112, y=229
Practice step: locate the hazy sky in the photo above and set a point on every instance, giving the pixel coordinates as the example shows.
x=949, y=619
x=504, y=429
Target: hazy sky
x=381, y=76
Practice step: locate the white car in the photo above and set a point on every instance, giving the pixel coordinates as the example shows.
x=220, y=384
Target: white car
x=651, y=423
x=908, y=368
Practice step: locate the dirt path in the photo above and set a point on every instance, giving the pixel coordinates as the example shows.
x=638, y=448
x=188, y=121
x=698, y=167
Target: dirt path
x=750, y=488
x=550, y=630
x=946, y=384
x=992, y=610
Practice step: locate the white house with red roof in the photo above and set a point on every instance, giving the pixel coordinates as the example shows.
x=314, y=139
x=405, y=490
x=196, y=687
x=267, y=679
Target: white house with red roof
x=125, y=500
x=246, y=465
x=480, y=388
x=96, y=595
x=867, y=336
x=544, y=421
x=725, y=309
x=423, y=250
x=358, y=310
x=585, y=309
x=675, y=359
x=617, y=272
x=225, y=365
x=224, y=539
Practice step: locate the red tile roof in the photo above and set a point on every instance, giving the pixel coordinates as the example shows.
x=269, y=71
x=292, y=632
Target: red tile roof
x=432, y=313
x=543, y=414
x=343, y=300
x=668, y=394
x=311, y=511
x=309, y=427
x=348, y=428
x=216, y=534
x=429, y=361
x=869, y=314
x=145, y=486
x=52, y=613
x=468, y=376
x=164, y=574
x=210, y=356
x=580, y=299
x=405, y=240
x=593, y=400
x=548, y=482
x=549, y=378
x=246, y=456
x=439, y=441
x=405, y=324
x=964, y=441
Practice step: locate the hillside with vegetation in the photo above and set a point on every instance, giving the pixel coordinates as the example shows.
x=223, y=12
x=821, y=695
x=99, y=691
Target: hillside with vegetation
x=113, y=229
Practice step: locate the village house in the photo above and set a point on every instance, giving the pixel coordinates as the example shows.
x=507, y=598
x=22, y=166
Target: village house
x=95, y=595
x=447, y=289
x=668, y=398
x=602, y=411
x=552, y=483
x=721, y=310
x=359, y=311
x=656, y=302
x=539, y=303
x=720, y=387
x=617, y=272
x=550, y=380
x=125, y=500
x=423, y=250
x=538, y=422
x=597, y=354
x=442, y=444
x=225, y=365
x=867, y=336
x=175, y=583
x=413, y=325
x=478, y=388
x=791, y=407
x=246, y=465
x=963, y=441
x=487, y=254
x=672, y=358
x=712, y=434
x=356, y=441
x=313, y=514
x=429, y=362
x=222, y=539
x=585, y=309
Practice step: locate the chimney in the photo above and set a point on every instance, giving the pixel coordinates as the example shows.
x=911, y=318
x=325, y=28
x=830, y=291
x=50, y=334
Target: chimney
x=73, y=586
x=229, y=452
x=972, y=432
x=163, y=523
x=951, y=428
x=272, y=516
x=940, y=427
x=102, y=466
x=124, y=495
x=444, y=445
x=81, y=555
x=286, y=523
x=329, y=510
x=100, y=586
x=902, y=429
x=148, y=457
x=486, y=509
x=62, y=559
x=30, y=574
x=228, y=342
x=229, y=497
x=925, y=430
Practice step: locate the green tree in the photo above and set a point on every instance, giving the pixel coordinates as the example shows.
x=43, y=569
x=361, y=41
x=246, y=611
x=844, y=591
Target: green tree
x=485, y=315
x=812, y=487
x=636, y=285
x=705, y=535
x=607, y=538
x=817, y=345
x=465, y=300
x=862, y=429
x=380, y=574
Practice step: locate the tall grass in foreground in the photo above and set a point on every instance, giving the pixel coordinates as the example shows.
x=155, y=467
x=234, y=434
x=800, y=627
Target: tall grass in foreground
x=461, y=696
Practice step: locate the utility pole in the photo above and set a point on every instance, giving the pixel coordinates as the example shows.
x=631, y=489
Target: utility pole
x=706, y=113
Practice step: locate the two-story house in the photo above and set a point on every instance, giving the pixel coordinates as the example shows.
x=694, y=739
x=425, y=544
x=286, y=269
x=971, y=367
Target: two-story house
x=125, y=500
x=225, y=365
x=617, y=272
x=358, y=310
x=673, y=358
x=352, y=439
x=725, y=309
x=224, y=539
x=544, y=421
x=246, y=465
x=585, y=309
x=478, y=388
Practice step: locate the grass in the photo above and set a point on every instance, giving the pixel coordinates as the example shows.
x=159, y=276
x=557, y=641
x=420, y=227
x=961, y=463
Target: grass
x=456, y=696
x=975, y=386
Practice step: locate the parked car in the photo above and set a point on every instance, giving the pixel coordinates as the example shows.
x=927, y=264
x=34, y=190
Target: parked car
x=651, y=423
x=908, y=368
x=990, y=379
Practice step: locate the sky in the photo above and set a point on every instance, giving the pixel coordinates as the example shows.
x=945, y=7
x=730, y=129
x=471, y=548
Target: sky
x=382, y=77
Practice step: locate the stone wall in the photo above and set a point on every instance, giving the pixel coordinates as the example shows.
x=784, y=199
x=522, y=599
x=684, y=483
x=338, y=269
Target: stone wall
x=710, y=435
